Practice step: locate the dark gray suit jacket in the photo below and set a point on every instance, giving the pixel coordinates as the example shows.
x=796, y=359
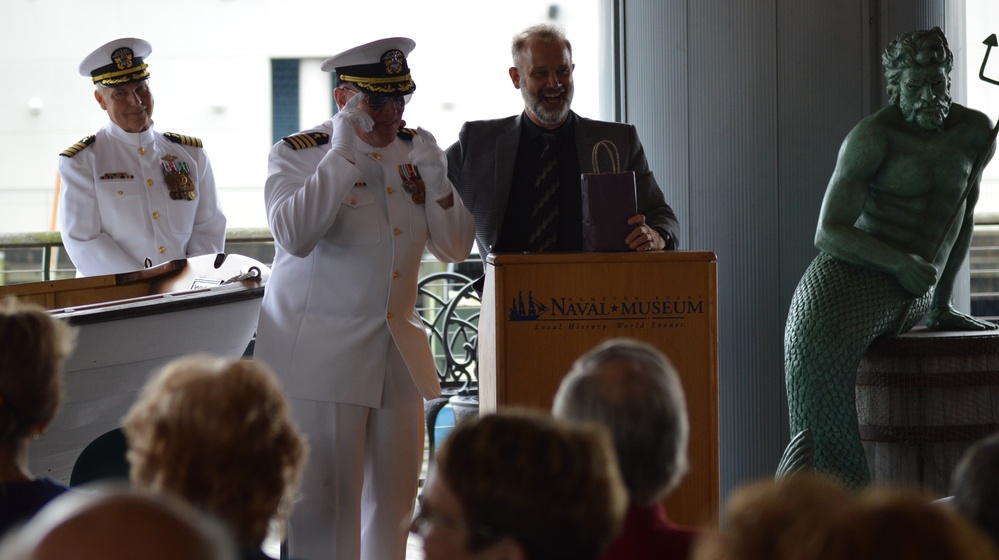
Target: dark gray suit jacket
x=480, y=166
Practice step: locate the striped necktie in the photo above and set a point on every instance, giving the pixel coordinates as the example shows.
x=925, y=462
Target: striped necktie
x=544, y=210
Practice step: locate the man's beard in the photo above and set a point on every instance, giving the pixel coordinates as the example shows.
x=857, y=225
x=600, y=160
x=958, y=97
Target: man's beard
x=536, y=106
x=927, y=114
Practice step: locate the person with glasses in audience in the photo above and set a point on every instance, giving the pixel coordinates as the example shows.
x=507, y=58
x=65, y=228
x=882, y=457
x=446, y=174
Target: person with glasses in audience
x=353, y=204
x=520, y=485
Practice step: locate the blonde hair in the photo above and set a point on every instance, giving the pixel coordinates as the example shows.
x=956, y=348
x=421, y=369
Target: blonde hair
x=218, y=433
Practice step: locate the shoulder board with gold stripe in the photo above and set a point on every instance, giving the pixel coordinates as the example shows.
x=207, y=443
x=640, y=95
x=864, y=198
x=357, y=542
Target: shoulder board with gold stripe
x=79, y=146
x=183, y=139
x=307, y=140
x=406, y=133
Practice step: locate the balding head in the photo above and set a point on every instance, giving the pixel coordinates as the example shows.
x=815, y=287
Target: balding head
x=632, y=388
x=116, y=523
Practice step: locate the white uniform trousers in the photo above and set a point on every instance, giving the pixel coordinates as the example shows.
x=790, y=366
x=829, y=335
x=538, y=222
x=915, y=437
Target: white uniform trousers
x=360, y=482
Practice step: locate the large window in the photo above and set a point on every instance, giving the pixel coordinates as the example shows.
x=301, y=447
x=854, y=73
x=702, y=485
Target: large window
x=239, y=74
x=981, y=16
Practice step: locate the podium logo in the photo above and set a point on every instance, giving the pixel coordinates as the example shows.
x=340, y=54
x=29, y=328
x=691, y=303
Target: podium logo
x=603, y=308
x=529, y=312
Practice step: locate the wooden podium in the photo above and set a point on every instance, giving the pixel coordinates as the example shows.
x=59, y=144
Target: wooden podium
x=542, y=311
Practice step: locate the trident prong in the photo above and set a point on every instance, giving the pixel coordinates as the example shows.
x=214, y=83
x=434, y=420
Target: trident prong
x=990, y=42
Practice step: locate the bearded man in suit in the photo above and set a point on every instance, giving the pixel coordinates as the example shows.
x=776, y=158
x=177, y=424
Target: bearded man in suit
x=495, y=163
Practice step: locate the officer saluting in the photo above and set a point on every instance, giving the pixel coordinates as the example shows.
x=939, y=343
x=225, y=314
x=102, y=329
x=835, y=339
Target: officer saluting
x=131, y=196
x=352, y=204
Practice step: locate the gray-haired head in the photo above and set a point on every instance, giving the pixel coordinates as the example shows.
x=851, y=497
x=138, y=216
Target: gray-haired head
x=115, y=522
x=632, y=388
x=544, y=32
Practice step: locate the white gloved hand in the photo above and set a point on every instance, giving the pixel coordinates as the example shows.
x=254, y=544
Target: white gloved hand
x=344, y=122
x=431, y=162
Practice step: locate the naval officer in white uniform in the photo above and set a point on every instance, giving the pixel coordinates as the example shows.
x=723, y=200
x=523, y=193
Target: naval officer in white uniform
x=352, y=204
x=132, y=197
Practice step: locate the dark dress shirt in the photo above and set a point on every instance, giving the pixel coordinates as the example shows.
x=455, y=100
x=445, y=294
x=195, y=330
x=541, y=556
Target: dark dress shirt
x=517, y=221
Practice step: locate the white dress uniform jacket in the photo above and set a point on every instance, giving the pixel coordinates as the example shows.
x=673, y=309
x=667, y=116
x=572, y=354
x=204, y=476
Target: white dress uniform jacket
x=348, y=244
x=115, y=208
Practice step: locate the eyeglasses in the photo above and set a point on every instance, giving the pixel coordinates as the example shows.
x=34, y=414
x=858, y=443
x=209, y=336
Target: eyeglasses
x=377, y=101
x=424, y=519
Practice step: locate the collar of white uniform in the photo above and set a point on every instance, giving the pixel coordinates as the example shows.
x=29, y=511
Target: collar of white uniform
x=144, y=138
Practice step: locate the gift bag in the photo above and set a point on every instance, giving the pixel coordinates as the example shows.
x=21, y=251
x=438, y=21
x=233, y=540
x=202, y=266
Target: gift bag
x=609, y=200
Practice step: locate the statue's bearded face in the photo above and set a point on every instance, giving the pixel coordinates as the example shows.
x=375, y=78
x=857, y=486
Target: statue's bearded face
x=924, y=96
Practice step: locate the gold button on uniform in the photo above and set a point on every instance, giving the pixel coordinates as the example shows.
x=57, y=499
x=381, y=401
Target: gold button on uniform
x=142, y=150
x=389, y=316
x=376, y=155
x=162, y=249
x=156, y=215
x=390, y=190
x=149, y=182
x=395, y=275
x=120, y=193
x=353, y=202
x=397, y=231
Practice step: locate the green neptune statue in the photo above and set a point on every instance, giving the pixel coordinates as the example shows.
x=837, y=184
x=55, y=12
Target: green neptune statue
x=894, y=228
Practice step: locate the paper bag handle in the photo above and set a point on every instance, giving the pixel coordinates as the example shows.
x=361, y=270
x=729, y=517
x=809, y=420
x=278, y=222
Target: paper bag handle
x=612, y=152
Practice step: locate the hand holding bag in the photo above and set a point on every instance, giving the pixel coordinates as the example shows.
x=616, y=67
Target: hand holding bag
x=609, y=200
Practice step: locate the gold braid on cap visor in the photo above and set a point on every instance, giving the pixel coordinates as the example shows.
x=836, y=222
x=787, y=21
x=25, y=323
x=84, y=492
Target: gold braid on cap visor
x=122, y=76
x=382, y=85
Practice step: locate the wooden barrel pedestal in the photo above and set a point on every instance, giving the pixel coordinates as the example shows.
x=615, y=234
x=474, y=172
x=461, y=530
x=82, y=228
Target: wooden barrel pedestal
x=922, y=399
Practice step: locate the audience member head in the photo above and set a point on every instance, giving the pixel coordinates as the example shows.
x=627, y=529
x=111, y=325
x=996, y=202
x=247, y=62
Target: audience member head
x=808, y=517
x=218, y=433
x=889, y=523
x=975, y=485
x=118, y=523
x=35, y=345
x=784, y=520
x=632, y=388
x=518, y=484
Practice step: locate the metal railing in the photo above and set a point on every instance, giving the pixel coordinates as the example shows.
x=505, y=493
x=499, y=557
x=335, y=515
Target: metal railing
x=39, y=256
x=983, y=259
x=447, y=303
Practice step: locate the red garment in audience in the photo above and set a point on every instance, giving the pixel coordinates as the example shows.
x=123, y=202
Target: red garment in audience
x=647, y=533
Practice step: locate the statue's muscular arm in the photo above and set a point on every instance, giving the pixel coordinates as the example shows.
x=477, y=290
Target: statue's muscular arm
x=942, y=315
x=860, y=157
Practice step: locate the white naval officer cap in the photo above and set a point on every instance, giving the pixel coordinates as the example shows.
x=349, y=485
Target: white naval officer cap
x=117, y=62
x=377, y=67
